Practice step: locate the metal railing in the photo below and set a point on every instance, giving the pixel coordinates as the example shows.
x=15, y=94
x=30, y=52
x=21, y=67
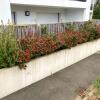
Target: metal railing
x=33, y=30
x=24, y=30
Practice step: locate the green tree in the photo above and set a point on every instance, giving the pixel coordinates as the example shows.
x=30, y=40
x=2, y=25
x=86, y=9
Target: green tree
x=96, y=12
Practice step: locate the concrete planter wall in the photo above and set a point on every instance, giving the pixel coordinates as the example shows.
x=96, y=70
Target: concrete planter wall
x=14, y=79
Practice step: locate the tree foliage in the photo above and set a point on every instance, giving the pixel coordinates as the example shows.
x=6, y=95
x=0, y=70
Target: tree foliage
x=96, y=12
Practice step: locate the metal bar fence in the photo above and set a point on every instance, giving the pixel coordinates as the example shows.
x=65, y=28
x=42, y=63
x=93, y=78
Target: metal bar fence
x=32, y=30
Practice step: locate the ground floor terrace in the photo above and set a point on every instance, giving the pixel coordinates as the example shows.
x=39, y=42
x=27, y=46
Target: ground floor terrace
x=25, y=14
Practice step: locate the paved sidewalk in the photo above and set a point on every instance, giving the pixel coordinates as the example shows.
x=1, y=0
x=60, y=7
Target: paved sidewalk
x=62, y=85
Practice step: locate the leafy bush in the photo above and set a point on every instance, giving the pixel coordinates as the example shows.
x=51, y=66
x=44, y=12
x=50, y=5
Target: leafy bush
x=14, y=52
x=96, y=12
x=23, y=56
x=89, y=27
x=8, y=47
x=60, y=41
x=44, y=30
x=96, y=84
x=98, y=31
x=70, y=26
x=46, y=44
x=39, y=46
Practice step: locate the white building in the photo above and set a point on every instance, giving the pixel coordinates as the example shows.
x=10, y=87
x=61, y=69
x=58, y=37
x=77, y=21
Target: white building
x=44, y=11
x=93, y=2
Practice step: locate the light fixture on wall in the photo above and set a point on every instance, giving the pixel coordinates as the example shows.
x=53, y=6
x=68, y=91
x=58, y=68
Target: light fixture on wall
x=27, y=13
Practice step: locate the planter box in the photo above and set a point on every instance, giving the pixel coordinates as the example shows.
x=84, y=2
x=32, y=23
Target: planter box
x=14, y=79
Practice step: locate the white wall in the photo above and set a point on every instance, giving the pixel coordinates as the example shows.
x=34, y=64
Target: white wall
x=93, y=1
x=73, y=15
x=45, y=18
x=87, y=11
x=55, y=3
x=5, y=12
x=20, y=15
x=45, y=15
x=38, y=15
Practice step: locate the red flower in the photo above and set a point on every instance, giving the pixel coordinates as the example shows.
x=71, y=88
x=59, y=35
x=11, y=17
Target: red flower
x=24, y=56
x=30, y=33
x=98, y=29
x=60, y=38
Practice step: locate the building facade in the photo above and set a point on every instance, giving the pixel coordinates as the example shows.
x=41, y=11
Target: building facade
x=44, y=11
x=93, y=2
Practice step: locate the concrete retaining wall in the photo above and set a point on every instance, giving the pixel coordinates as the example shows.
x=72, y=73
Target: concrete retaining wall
x=14, y=79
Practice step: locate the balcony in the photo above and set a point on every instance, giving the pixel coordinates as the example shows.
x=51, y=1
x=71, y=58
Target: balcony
x=52, y=3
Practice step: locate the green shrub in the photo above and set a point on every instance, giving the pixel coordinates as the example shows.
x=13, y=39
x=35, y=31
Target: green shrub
x=44, y=30
x=8, y=47
x=70, y=26
x=96, y=84
x=89, y=27
x=96, y=12
x=14, y=52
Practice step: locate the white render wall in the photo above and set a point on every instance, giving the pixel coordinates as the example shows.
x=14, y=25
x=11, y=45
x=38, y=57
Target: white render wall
x=5, y=11
x=58, y=3
x=87, y=11
x=45, y=15
x=53, y=3
x=74, y=15
x=64, y=7
x=34, y=14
